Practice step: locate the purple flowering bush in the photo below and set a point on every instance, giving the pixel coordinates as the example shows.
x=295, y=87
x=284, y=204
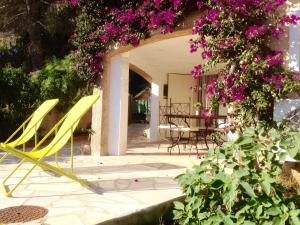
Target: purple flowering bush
x=239, y=33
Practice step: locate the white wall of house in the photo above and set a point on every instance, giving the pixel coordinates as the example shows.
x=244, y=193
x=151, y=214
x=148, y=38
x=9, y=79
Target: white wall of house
x=284, y=107
x=294, y=42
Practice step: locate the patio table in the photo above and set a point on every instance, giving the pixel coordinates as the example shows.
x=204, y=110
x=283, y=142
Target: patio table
x=202, y=131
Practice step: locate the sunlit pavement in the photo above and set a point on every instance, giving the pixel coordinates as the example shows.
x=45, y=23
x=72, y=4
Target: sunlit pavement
x=120, y=185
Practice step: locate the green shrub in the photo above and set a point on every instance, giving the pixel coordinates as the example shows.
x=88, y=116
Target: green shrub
x=18, y=97
x=59, y=80
x=236, y=183
x=21, y=94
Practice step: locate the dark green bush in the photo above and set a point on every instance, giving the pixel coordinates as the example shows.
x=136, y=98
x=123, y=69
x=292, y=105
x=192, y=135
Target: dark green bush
x=59, y=80
x=18, y=97
x=237, y=182
x=20, y=94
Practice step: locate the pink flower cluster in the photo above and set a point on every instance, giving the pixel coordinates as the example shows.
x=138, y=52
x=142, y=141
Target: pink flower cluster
x=197, y=71
x=74, y=3
x=274, y=59
x=276, y=80
x=256, y=31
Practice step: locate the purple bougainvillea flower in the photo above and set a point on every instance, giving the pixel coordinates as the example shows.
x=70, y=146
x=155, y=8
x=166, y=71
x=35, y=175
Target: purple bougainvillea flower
x=157, y=4
x=193, y=47
x=256, y=31
x=198, y=25
x=168, y=16
x=212, y=15
x=176, y=4
x=276, y=80
x=203, y=42
x=275, y=59
x=74, y=3
x=296, y=77
x=200, y=4
x=206, y=54
x=155, y=20
x=197, y=71
x=238, y=92
x=103, y=38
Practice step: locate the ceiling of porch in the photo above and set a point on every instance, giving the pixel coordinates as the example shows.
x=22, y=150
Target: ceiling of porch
x=166, y=56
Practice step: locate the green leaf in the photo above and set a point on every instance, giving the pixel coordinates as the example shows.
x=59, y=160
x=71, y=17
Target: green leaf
x=227, y=220
x=266, y=186
x=294, y=220
x=294, y=217
x=241, y=173
x=273, y=211
x=248, y=189
x=244, y=141
x=216, y=184
x=179, y=205
x=205, y=179
x=281, y=220
x=258, y=211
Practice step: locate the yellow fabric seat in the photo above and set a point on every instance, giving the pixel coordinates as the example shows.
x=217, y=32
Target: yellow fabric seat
x=31, y=125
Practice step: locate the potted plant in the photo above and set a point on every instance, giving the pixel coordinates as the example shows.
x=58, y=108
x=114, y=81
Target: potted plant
x=197, y=106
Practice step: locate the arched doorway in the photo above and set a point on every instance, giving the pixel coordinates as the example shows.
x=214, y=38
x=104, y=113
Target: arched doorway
x=138, y=109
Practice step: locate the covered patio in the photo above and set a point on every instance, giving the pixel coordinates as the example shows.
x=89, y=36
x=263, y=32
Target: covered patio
x=166, y=63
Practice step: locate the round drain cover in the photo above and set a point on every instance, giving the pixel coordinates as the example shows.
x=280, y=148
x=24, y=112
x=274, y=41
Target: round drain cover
x=20, y=214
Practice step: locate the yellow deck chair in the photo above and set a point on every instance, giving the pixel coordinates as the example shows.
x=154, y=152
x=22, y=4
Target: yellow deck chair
x=64, y=131
x=30, y=127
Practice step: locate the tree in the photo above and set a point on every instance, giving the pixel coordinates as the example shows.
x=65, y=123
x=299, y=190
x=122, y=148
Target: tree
x=32, y=17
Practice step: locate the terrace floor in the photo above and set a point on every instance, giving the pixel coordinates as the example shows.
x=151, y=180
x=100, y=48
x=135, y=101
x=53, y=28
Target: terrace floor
x=121, y=185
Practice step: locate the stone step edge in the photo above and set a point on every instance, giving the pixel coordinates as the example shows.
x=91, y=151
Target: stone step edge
x=147, y=216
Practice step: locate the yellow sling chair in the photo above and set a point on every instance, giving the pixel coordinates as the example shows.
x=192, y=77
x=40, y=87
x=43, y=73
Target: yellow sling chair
x=30, y=127
x=64, y=131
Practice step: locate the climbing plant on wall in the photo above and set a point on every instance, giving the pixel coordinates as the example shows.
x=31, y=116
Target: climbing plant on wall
x=235, y=33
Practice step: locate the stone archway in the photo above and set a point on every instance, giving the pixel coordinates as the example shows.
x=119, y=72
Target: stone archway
x=141, y=72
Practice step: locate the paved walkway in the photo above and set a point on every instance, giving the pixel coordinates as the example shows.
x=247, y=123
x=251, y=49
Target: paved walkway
x=122, y=185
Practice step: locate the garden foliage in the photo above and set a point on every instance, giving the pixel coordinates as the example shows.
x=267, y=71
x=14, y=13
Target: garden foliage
x=17, y=98
x=58, y=79
x=236, y=183
x=21, y=94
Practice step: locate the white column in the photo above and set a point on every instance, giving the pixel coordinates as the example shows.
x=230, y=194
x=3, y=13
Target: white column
x=118, y=105
x=97, y=124
x=294, y=43
x=154, y=108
